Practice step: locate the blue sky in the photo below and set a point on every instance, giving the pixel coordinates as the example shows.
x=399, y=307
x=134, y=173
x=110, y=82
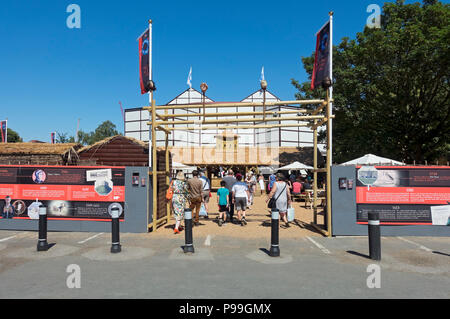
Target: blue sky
x=52, y=75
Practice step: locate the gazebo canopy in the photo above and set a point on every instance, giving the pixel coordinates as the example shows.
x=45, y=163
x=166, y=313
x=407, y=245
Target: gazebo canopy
x=370, y=159
x=296, y=166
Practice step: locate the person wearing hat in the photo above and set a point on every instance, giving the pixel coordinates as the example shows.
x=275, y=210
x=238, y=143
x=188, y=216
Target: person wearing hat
x=179, y=199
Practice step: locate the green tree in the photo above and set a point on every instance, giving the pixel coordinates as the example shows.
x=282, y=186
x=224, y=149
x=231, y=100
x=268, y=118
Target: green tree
x=104, y=130
x=63, y=138
x=391, y=86
x=13, y=137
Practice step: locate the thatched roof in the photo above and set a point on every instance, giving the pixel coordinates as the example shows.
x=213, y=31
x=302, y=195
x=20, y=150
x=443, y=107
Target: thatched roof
x=37, y=148
x=107, y=140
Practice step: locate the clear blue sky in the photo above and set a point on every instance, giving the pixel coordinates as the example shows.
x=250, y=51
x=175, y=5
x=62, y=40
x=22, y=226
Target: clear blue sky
x=52, y=75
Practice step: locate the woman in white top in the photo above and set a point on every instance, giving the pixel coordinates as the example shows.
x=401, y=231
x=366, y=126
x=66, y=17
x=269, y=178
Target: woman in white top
x=280, y=191
x=262, y=183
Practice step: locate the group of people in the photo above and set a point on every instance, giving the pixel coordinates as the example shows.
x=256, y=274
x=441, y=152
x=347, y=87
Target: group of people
x=236, y=194
x=196, y=191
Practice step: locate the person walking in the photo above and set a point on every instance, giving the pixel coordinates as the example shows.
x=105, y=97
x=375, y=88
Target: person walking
x=230, y=180
x=195, y=187
x=240, y=195
x=206, y=191
x=282, y=195
x=262, y=183
x=222, y=202
x=272, y=179
x=252, y=187
x=179, y=199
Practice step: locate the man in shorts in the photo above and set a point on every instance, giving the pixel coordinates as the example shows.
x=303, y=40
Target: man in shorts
x=240, y=195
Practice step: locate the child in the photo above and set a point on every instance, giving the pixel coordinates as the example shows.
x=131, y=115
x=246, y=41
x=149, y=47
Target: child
x=222, y=200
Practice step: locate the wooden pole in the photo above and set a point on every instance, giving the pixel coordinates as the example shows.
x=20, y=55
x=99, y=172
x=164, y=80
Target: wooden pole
x=167, y=171
x=237, y=104
x=249, y=120
x=224, y=127
x=154, y=167
x=315, y=174
x=328, y=213
x=169, y=116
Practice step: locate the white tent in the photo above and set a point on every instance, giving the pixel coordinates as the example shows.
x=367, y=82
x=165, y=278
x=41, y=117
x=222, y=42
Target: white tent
x=373, y=160
x=181, y=167
x=266, y=170
x=296, y=166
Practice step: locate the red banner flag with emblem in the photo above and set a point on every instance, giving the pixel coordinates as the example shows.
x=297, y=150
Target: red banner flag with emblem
x=322, y=61
x=145, y=72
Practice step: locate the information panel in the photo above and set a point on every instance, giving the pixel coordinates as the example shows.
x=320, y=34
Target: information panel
x=404, y=195
x=68, y=192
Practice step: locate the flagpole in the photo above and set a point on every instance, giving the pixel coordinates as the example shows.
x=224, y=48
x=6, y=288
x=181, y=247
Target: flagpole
x=330, y=115
x=150, y=93
x=6, y=131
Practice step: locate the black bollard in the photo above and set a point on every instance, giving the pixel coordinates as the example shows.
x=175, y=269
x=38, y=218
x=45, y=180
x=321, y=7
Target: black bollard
x=115, y=247
x=42, y=241
x=275, y=244
x=189, y=245
x=374, y=236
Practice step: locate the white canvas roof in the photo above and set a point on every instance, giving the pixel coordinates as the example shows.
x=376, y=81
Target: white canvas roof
x=296, y=166
x=370, y=159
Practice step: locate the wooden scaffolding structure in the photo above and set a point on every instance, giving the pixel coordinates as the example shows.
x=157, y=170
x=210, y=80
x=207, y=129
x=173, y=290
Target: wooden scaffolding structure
x=168, y=123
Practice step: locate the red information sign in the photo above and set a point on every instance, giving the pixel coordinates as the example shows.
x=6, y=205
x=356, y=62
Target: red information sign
x=404, y=195
x=67, y=192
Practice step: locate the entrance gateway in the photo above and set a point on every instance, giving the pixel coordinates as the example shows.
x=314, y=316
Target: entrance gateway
x=264, y=117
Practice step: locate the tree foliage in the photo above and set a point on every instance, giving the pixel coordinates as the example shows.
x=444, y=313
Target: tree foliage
x=391, y=86
x=104, y=130
x=13, y=137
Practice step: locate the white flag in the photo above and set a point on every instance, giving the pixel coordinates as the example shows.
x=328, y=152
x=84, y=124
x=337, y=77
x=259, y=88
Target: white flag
x=262, y=74
x=189, y=80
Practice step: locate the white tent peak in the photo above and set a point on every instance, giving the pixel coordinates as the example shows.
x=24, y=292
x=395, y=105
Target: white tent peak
x=296, y=166
x=370, y=159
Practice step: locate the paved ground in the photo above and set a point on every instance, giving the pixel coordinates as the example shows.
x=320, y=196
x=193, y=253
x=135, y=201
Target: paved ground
x=227, y=267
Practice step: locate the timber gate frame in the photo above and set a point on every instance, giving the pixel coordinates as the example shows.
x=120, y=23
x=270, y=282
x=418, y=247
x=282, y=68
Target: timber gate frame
x=168, y=122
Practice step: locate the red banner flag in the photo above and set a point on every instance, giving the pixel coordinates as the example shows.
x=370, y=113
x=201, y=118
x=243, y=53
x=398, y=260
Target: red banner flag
x=4, y=131
x=144, y=61
x=322, y=59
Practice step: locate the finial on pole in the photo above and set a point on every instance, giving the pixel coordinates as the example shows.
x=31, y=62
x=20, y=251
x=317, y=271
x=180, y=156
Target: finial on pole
x=150, y=21
x=331, y=13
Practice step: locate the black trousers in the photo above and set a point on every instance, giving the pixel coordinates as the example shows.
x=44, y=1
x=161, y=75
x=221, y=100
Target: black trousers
x=231, y=209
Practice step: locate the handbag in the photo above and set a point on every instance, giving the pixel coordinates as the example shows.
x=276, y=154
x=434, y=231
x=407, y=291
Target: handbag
x=291, y=214
x=202, y=211
x=169, y=193
x=272, y=201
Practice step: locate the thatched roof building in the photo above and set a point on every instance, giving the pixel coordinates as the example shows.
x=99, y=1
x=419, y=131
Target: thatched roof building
x=115, y=151
x=39, y=154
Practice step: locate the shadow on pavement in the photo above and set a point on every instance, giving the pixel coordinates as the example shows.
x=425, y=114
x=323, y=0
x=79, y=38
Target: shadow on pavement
x=439, y=253
x=357, y=254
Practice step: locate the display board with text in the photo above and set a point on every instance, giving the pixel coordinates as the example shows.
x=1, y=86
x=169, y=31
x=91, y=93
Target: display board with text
x=68, y=193
x=404, y=195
